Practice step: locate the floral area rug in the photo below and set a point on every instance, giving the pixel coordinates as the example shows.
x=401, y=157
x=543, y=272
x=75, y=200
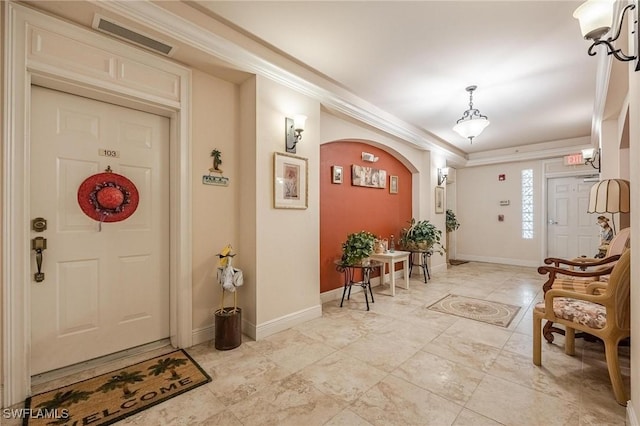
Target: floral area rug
x=111, y=397
x=476, y=309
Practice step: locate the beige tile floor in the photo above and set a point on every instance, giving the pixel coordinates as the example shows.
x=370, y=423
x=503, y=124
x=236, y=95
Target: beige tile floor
x=401, y=364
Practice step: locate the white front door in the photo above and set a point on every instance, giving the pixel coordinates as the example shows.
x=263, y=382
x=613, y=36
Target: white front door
x=105, y=288
x=571, y=231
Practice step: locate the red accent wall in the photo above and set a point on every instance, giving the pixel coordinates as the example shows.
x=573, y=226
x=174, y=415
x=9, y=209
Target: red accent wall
x=345, y=209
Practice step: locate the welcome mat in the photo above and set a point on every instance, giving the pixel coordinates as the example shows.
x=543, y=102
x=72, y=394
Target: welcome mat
x=111, y=397
x=456, y=262
x=476, y=309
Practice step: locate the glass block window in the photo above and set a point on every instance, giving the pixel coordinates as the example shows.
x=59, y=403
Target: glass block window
x=527, y=204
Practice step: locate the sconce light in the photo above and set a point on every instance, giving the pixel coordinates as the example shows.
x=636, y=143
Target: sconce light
x=596, y=20
x=293, y=131
x=367, y=156
x=442, y=175
x=590, y=156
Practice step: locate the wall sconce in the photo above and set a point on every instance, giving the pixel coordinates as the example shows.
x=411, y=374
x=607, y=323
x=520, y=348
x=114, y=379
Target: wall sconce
x=293, y=131
x=596, y=20
x=590, y=156
x=442, y=175
x=367, y=156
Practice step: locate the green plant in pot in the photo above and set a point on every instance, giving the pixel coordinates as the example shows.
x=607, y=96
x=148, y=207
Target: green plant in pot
x=452, y=221
x=358, y=246
x=421, y=235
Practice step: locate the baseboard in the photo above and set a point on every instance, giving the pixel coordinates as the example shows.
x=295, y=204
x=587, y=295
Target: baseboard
x=632, y=419
x=286, y=322
x=500, y=260
x=205, y=334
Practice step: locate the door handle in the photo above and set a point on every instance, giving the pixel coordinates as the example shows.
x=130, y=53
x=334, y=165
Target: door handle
x=39, y=244
x=552, y=222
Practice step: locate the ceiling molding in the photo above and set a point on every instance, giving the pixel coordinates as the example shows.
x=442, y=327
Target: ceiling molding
x=155, y=17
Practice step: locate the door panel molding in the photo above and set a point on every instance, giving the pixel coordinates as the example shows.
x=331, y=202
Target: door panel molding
x=20, y=71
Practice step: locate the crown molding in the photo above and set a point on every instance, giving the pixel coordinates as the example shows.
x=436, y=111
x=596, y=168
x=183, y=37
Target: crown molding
x=159, y=19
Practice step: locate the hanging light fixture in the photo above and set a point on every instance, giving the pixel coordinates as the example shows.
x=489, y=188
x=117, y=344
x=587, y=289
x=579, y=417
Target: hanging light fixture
x=472, y=123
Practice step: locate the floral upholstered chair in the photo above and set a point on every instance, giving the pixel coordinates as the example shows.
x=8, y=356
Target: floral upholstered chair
x=606, y=315
x=577, y=274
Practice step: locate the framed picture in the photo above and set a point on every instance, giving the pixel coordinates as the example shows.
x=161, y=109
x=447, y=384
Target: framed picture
x=368, y=176
x=290, y=181
x=393, y=184
x=439, y=199
x=336, y=174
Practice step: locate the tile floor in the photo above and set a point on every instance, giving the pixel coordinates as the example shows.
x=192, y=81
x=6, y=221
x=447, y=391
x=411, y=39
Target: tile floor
x=401, y=364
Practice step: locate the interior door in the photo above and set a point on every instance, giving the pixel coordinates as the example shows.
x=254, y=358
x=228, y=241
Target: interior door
x=571, y=231
x=105, y=287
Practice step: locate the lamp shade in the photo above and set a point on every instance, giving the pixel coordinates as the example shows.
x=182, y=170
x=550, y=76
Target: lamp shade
x=471, y=127
x=609, y=196
x=595, y=17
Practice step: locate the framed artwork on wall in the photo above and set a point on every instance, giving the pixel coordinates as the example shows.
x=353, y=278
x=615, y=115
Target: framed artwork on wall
x=393, y=184
x=336, y=174
x=368, y=176
x=290, y=181
x=439, y=199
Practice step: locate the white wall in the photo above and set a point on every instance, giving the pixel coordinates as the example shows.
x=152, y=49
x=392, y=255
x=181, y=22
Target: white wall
x=481, y=236
x=287, y=240
x=215, y=208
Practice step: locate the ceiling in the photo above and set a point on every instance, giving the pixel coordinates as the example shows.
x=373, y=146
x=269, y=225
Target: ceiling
x=413, y=60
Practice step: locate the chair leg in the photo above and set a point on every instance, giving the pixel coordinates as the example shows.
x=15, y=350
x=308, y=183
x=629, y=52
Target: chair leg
x=570, y=341
x=537, y=339
x=613, y=364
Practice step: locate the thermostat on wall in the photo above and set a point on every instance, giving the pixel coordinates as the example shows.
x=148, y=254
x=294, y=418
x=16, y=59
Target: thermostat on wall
x=505, y=202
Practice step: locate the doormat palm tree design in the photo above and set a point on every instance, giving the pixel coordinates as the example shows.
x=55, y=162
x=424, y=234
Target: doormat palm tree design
x=495, y=313
x=111, y=397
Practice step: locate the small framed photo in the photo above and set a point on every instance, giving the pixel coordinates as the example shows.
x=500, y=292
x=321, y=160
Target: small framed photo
x=336, y=174
x=393, y=184
x=439, y=199
x=290, y=181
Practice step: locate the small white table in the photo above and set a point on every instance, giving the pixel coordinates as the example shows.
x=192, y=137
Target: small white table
x=391, y=258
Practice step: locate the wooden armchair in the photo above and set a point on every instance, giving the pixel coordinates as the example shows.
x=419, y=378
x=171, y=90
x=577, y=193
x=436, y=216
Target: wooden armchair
x=606, y=316
x=577, y=274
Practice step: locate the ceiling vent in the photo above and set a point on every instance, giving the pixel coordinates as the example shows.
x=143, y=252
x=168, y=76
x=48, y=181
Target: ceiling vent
x=110, y=27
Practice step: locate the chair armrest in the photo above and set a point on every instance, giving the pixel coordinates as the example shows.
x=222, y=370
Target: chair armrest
x=581, y=262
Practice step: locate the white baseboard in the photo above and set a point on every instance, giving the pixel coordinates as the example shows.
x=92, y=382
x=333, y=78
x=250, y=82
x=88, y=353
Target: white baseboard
x=286, y=322
x=268, y=328
x=632, y=419
x=501, y=260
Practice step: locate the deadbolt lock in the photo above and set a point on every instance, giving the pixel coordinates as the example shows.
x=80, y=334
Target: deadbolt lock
x=39, y=224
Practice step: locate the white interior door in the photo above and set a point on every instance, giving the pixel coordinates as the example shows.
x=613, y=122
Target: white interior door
x=571, y=231
x=105, y=288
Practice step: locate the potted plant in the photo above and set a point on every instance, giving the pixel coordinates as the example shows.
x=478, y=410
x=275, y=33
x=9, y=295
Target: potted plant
x=421, y=235
x=358, y=246
x=452, y=221
x=452, y=224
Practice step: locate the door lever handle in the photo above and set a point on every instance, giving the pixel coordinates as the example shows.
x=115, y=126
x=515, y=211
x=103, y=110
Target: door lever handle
x=38, y=244
x=552, y=222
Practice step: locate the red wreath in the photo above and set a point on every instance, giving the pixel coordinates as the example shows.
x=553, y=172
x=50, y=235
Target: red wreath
x=108, y=197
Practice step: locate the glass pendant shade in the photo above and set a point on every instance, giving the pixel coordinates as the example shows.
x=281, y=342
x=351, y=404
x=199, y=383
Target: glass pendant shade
x=595, y=17
x=472, y=127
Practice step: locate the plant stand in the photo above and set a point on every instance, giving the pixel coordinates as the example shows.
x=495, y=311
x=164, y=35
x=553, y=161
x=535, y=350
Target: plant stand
x=228, y=328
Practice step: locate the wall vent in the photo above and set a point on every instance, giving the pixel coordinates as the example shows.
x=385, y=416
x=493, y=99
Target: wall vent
x=115, y=29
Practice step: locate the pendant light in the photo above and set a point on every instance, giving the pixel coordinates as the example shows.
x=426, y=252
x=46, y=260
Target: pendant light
x=472, y=123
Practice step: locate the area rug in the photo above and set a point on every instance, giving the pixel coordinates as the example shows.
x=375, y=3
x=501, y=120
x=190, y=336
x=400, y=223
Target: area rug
x=111, y=397
x=476, y=309
x=456, y=262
